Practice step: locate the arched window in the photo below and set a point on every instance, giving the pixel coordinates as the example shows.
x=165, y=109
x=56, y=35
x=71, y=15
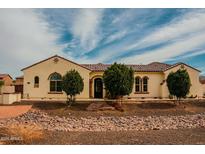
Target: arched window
x=36, y=82
x=55, y=82
x=145, y=84
x=138, y=84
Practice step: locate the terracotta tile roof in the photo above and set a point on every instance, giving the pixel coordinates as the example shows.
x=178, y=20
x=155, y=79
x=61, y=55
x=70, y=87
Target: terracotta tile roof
x=4, y=75
x=152, y=67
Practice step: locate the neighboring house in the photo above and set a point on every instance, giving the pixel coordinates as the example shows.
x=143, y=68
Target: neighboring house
x=7, y=91
x=202, y=80
x=7, y=79
x=18, y=84
x=42, y=80
x=8, y=84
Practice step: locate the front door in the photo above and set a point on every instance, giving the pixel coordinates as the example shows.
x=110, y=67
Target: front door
x=98, y=88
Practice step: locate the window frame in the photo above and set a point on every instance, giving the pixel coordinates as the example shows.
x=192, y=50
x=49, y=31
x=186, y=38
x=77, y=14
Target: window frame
x=145, y=84
x=56, y=82
x=36, y=82
x=138, y=84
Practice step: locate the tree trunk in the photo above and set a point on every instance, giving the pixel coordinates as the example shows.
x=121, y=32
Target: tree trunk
x=67, y=101
x=179, y=101
x=119, y=100
x=71, y=100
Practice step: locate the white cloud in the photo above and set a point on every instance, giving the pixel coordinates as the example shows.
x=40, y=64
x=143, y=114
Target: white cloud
x=116, y=36
x=188, y=55
x=24, y=38
x=189, y=23
x=86, y=27
x=185, y=33
x=172, y=50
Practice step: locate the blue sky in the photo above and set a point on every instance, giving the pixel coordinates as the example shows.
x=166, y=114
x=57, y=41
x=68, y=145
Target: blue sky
x=132, y=36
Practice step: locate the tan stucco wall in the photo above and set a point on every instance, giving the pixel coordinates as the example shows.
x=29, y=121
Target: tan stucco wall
x=196, y=88
x=154, y=87
x=43, y=70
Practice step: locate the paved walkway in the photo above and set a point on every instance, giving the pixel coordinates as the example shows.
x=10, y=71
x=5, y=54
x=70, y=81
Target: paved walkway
x=13, y=111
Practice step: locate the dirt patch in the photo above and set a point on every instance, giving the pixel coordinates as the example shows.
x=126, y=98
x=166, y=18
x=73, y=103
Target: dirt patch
x=13, y=111
x=156, y=137
x=146, y=108
x=156, y=105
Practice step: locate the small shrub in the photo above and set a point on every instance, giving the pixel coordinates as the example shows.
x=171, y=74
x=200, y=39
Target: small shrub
x=72, y=85
x=179, y=83
x=118, y=80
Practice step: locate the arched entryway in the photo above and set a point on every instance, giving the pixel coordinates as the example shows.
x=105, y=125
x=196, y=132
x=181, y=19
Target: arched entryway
x=98, y=88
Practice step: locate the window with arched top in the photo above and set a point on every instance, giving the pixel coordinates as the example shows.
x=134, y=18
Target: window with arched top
x=137, y=84
x=36, y=82
x=55, y=82
x=145, y=84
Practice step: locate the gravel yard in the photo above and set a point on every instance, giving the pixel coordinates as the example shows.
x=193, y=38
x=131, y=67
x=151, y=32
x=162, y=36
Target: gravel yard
x=112, y=123
x=145, y=123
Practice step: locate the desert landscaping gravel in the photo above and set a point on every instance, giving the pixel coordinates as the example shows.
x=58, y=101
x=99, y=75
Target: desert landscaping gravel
x=100, y=124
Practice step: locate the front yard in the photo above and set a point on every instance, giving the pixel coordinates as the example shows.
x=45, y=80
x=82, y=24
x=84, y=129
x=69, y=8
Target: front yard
x=143, y=108
x=144, y=122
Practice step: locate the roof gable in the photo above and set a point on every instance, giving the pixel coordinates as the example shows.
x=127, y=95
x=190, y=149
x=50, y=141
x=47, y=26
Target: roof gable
x=180, y=63
x=51, y=58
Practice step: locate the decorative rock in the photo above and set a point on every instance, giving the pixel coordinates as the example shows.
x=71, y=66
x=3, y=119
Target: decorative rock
x=112, y=123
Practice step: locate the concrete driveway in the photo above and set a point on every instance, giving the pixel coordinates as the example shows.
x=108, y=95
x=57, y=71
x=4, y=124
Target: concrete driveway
x=13, y=111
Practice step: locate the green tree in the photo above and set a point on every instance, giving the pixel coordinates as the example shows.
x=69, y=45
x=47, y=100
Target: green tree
x=72, y=84
x=179, y=83
x=1, y=85
x=118, y=80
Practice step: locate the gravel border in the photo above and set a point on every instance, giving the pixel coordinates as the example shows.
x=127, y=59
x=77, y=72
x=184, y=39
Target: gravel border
x=112, y=123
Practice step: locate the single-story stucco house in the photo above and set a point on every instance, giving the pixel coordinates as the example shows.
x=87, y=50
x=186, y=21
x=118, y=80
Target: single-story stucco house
x=42, y=80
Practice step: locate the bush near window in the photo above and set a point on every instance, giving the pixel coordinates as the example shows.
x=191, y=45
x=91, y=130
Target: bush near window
x=72, y=84
x=118, y=80
x=179, y=83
